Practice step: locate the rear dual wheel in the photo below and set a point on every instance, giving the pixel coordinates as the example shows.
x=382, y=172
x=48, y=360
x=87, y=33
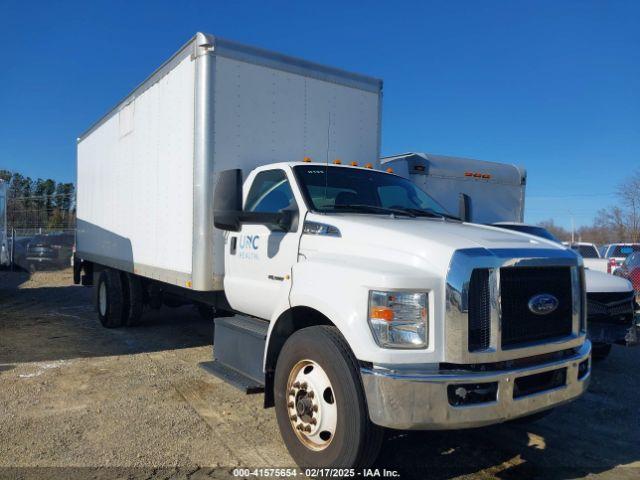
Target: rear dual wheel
x=320, y=403
x=119, y=298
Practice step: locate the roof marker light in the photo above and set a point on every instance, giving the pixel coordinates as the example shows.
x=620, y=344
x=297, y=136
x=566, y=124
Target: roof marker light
x=306, y=159
x=389, y=170
x=354, y=164
x=368, y=165
x=337, y=161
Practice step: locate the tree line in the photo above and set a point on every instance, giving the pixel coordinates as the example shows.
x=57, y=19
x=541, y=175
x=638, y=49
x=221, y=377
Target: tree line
x=612, y=224
x=38, y=203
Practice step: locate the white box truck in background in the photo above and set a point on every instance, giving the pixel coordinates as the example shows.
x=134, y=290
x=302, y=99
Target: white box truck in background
x=344, y=293
x=496, y=190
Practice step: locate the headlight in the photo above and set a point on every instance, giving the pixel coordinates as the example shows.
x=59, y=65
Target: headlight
x=399, y=319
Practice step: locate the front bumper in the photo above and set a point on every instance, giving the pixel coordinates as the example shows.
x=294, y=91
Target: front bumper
x=419, y=400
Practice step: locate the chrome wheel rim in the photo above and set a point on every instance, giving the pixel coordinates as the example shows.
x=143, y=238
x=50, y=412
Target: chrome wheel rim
x=311, y=405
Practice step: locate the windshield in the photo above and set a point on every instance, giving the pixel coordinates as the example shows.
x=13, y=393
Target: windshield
x=340, y=189
x=530, y=229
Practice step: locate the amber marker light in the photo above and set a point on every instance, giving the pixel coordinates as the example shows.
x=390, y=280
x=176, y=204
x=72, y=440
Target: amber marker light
x=382, y=313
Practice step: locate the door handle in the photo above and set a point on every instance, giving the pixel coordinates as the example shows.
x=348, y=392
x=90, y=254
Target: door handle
x=233, y=245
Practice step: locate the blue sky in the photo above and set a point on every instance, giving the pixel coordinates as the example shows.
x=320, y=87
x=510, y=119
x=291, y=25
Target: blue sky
x=551, y=85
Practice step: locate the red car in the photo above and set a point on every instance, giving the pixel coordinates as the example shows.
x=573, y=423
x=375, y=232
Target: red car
x=630, y=269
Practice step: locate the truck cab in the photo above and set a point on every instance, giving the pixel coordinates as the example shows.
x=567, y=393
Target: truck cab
x=436, y=323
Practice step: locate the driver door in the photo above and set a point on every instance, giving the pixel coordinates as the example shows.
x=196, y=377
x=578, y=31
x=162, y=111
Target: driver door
x=258, y=261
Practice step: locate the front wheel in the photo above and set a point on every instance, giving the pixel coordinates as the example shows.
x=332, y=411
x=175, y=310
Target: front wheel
x=320, y=403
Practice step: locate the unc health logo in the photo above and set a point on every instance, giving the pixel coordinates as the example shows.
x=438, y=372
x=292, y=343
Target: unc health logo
x=543, y=304
x=249, y=245
x=249, y=242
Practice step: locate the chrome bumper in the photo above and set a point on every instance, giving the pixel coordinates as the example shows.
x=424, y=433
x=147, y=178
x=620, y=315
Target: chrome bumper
x=418, y=400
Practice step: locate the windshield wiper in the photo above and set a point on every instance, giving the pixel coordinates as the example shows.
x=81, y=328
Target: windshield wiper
x=374, y=209
x=427, y=212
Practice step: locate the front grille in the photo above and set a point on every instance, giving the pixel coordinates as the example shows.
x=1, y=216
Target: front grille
x=610, y=307
x=517, y=286
x=479, y=310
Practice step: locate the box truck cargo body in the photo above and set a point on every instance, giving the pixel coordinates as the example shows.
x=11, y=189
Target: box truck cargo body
x=146, y=169
x=496, y=190
x=246, y=183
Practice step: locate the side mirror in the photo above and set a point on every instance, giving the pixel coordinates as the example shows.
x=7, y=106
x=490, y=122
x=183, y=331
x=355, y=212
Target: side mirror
x=227, y=200
x=227, y=207
x=464, y=207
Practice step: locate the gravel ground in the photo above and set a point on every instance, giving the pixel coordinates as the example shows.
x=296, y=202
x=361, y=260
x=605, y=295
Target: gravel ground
x=81, y=401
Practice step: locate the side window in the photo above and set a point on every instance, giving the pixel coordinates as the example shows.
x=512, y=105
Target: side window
x=270, y=192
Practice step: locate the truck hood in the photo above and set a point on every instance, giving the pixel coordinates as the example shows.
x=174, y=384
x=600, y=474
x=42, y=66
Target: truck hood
x=432, y=240
x=604, y=282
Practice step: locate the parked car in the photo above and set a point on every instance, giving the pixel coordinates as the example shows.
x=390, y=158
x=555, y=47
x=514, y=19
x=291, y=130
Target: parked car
x=49, y=251
x=617, y=252
x=590, y=256
x=630, y=269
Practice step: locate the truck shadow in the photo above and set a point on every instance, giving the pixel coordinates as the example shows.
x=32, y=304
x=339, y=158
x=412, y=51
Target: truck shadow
x=59, y=323
x=9, y=281
x=595, y=434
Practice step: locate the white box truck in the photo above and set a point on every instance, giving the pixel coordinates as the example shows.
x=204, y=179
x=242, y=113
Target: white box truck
x=344, y=293
x=496, y=190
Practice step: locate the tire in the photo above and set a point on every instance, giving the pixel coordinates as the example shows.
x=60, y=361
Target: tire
x=134, y=299
x=355, y=441
x=110, y=299
x=600, y=351
x=531, y=418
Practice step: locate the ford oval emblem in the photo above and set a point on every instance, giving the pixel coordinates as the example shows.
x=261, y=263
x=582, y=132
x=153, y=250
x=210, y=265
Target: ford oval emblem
x=543, y=304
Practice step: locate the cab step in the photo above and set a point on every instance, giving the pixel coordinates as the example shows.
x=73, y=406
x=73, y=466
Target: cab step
x=232, y=377
x=238, y=352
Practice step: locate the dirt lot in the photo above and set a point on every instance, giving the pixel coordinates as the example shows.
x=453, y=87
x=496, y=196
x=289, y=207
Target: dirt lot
x=77, y=400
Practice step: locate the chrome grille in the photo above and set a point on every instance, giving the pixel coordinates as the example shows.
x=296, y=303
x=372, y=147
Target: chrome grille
x=520, y=326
